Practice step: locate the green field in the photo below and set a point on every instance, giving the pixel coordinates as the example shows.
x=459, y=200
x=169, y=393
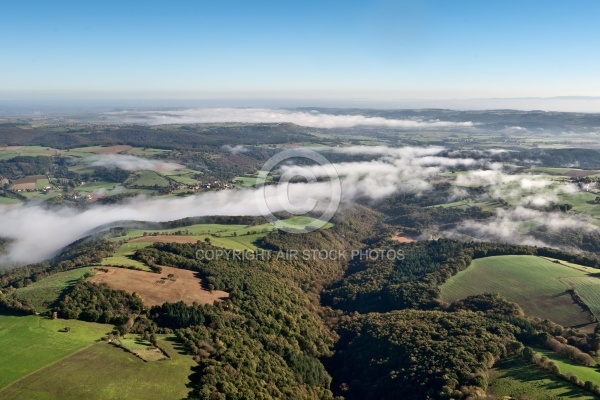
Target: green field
x=201, y=229
x=42, y=183
x=103, y=372
x=197, y=229
x=31, y=151
x=587, y=288
x=147, y=179
x=182, y=171
x=8, y=154
x=582, y=202
x=8, y=200
x=81, y=152
x=513, y=377
x=184, y=179
x=121, y=257
x=536, y=284
x=246, y=180
x=43, y=293
x=565, y=365
x=235, y=237
x=28, y=343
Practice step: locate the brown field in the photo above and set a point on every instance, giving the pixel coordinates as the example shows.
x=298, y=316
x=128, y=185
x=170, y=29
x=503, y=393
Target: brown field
x=165, y=239
x=186, y=286
x=29, y=179
x=23, y=186
x=113, y=149
x=11, y=147
x=26, y=183
x=577, y=173
x=403, y=239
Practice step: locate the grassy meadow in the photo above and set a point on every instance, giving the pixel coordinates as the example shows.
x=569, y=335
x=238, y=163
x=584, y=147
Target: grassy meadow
x=103, y=371
x=147, y=179
x=536, y=284
x=28, y=343
x=516, y=379
x=45, y=292
x=565, y=365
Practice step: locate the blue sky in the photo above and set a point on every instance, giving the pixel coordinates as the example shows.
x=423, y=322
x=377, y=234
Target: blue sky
x=353, y=49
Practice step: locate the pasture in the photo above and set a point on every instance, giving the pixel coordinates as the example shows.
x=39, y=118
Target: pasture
x=146, y=152
x=514, y=378
x=8, y=152
x=235, y=237
x=536, y=284
x=28, y=343
x=565, y=365
x=184, y=179
x=582, y=202
x=43, y=293
x=162, y=239
x=246, y=242
x=103, y=371
x=156, y=289
x=122, y=258
x=42, y=183
x=245, y=180
x=147, y=179
x=8, y=200
x=587, y=288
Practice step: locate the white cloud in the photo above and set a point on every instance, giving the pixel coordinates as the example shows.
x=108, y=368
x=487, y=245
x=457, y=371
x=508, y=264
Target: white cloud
x=507, y=226
x=129, y=163
x=265, y=115
x=235, y=149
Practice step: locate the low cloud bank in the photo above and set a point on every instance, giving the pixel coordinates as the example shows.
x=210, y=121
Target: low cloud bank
x=129, y=163
x=265, y=115
x=39, y=232
x=507, y=224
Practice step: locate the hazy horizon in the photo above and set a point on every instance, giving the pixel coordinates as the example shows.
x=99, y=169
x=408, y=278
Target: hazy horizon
x=54, y=105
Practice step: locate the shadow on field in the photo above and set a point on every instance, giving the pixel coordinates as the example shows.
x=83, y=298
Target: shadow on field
x=518, y=370
x=195, y=370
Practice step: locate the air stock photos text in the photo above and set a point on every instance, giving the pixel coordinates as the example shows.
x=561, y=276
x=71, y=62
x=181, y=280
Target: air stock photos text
x=305, y=255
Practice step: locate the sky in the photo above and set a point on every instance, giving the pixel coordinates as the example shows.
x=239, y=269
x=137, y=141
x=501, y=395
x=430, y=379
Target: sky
x=299, y=49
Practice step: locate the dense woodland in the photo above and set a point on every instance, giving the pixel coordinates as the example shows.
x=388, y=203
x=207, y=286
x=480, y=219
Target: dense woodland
x=204, y=136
